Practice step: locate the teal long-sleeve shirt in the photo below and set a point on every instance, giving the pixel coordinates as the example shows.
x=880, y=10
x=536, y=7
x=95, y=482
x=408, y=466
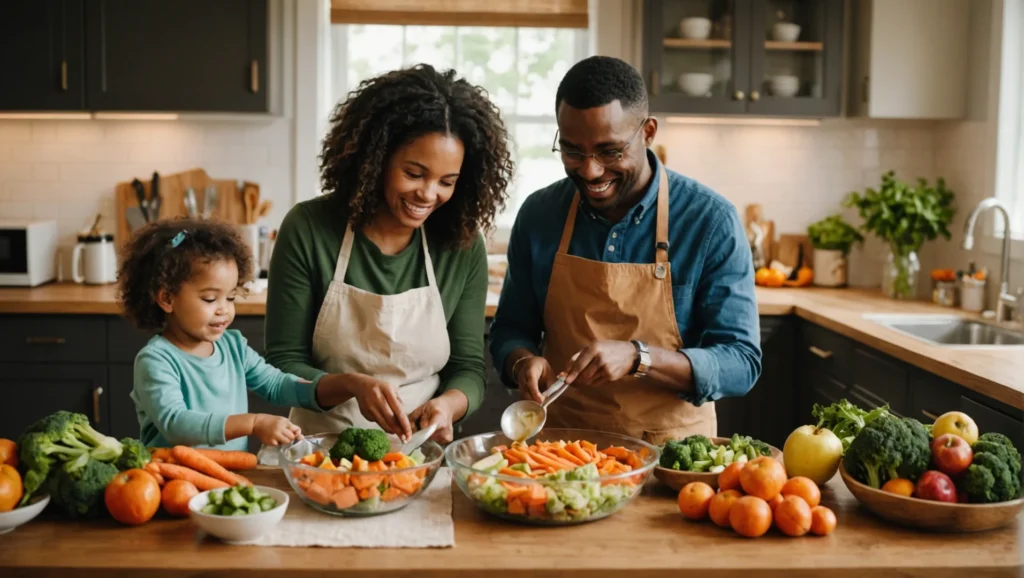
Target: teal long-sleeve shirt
x=183, y=399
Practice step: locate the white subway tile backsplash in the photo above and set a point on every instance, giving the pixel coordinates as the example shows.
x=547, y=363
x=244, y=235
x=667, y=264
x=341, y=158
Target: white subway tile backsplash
x=15, y=171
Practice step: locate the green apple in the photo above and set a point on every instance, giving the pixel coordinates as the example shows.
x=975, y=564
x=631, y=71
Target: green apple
x=956, y=423
x=812, y=452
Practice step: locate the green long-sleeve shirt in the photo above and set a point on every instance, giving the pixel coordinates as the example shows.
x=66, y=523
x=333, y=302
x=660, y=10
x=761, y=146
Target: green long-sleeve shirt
x=302, y=267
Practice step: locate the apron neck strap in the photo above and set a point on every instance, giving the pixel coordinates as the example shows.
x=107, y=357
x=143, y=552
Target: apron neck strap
x=661, y=232
x=345, y=256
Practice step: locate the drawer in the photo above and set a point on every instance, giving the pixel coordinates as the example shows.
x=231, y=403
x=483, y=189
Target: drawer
x=823, y=350
x=989, y=419
x=52, y=338
x=124, y=341
x=931, y=396
x=878, y=380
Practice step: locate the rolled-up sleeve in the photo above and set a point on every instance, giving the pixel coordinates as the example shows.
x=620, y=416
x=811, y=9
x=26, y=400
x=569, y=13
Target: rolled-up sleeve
x=518, y=321
x=727, y=359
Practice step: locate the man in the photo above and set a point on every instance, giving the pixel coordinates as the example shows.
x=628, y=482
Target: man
x=633, y=280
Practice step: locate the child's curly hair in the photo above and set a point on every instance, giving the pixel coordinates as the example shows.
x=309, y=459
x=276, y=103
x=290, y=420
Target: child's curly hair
x=160, y=257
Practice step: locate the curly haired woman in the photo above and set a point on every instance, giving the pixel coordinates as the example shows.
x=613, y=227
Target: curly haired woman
x=378, y=287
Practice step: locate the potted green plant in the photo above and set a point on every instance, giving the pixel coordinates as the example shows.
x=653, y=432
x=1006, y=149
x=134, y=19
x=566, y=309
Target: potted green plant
x=904, y=217
x=832, y=238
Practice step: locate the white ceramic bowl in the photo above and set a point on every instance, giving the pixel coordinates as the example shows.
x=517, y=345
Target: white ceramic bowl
x=18, y=516
x=238, y=529
x=695, y=28
x=785, y=32
x=695, y=83
x=784, y=85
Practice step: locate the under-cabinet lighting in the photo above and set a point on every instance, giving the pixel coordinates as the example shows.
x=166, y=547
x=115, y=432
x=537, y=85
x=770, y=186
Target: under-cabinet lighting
x=135, y=116
x=744, y=121
x=45, y=116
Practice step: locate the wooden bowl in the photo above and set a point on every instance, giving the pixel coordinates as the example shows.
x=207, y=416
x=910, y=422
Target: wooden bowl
x=929, y=514
x=676, y=479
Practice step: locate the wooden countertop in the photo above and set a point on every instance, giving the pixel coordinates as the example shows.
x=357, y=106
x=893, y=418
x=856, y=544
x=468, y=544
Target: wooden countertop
x=992, y=372
x=649, y=538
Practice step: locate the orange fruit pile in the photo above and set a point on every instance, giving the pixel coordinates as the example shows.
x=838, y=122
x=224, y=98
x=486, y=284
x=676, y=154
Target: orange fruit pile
x=754, y=495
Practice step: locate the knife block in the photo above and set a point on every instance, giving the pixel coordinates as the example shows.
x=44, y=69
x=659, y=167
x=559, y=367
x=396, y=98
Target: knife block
x=229, y=209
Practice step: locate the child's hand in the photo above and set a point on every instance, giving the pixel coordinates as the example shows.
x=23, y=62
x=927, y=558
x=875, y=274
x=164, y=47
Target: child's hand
x=273, y=430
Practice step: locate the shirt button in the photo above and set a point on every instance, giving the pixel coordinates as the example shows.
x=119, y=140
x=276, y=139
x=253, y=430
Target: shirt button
x=638, y=220
x=615, y=235
x=611, y=248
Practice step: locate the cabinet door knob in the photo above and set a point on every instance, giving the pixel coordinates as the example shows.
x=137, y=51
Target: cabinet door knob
x=254, y=76
x=820, y=352
x=739, y=95
x=755, y=95
x=44, y=341
x=96, y=414
x=655, y=82
x=64, y=75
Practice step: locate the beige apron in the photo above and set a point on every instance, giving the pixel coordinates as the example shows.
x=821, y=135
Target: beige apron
x=400, y=339
x=591, y=300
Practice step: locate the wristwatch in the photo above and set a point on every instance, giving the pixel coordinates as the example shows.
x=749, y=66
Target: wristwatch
x=643, y=359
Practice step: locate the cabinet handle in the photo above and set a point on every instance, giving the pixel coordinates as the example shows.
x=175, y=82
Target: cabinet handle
x=96, y=393
x=738, y=95
x=254, y=77
x=755, y=95
x=655, y=84
x=44, y=341
x=929, y=415
x=820, y=352
x=64, y=75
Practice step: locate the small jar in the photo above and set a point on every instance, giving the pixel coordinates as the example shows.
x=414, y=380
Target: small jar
x=972, y=294
x=944, y=293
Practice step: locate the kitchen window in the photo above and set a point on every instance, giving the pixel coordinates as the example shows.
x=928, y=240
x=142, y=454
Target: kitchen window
x=519, y=67
x=1010, y=157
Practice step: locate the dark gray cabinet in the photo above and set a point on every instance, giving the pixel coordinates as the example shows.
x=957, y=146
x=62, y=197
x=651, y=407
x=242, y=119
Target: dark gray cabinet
x=35, y=390
x=744, y=57
x=42, y=55
x=134, y=55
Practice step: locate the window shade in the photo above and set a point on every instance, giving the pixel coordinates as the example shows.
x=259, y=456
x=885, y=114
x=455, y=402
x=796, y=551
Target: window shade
x=512, y=13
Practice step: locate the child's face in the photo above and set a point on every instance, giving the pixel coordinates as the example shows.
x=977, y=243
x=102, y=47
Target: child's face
x=205, y=305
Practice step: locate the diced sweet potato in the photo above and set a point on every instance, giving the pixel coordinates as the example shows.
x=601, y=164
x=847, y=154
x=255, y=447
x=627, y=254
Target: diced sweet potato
x=391, y=494
x=345, y=498
x=318, y=494
x=368, y=493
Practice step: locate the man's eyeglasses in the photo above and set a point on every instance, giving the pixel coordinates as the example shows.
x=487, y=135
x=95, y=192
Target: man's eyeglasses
x=605, y=158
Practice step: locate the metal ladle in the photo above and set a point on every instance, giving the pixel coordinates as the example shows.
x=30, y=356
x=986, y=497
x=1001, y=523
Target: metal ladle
x=518, y=424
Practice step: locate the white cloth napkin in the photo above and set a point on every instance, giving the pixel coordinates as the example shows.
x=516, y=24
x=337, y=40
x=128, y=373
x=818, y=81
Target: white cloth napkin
x=424, y=523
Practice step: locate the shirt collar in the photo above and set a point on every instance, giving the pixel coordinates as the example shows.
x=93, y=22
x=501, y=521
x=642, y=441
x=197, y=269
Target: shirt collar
x=650, y=198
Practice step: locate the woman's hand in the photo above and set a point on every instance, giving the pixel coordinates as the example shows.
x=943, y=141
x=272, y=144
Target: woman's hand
x=379, y=402
x=443, y=411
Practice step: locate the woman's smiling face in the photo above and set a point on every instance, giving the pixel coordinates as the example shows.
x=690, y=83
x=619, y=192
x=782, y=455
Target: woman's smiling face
x=421, y=177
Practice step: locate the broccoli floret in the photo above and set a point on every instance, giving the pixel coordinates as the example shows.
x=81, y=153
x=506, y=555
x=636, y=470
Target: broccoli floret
x=73, y=432
x=989, y=439
x=761, y=448
x=990, y=479
x=349, y=436
x=886, y=448
x=700, y=447
x=80, y=493
x=676, y=456
x=134, y=454
x=978, y=483
x=372, y=444
x=342, y=451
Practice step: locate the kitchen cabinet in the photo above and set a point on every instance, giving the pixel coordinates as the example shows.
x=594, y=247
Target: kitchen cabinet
x=41, y=55
x=35, y=390
x=744, y=57
x=910, y=58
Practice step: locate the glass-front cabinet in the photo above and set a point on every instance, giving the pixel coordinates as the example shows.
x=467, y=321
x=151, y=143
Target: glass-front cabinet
x=744, y=57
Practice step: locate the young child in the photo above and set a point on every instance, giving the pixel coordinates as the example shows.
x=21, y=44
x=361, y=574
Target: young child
x=179, y=279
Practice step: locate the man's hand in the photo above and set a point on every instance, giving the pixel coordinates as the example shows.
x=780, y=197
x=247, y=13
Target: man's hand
x=534, y=375
x=601, y=362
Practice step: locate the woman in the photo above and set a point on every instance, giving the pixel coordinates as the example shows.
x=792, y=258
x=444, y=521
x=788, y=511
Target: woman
x=381, y=283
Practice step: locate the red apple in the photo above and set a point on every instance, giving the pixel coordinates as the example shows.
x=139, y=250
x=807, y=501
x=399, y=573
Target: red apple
x=951, y=454
x=937, y=486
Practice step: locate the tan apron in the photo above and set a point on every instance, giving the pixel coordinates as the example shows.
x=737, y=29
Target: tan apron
x=591, y=300
x=400, y=339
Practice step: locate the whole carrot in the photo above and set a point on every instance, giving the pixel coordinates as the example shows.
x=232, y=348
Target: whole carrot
x=200, y=481
x=154, y=468
x=187, y=456
x=232, y=460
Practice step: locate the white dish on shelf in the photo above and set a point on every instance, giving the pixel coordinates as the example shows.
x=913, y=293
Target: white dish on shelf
x=696, y=83
x=784, y=85
x=785, y=32
x=695, y=28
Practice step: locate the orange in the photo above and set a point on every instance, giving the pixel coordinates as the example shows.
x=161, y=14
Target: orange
x=823, y=521
x=720, y=505
x=763, y=477
x=132, y=497
x=774, y=502
x=729, y=479
x=901, y=486
x=694, y=500
x=762, y=275
x=804, y=488
x=10, y=488
x=176, y=495
x=750, y=516
x=793, y=516
x=8, y=452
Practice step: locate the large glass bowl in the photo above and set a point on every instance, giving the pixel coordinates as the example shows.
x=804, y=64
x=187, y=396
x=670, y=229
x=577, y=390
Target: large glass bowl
x=568, y=502
x=326, y=490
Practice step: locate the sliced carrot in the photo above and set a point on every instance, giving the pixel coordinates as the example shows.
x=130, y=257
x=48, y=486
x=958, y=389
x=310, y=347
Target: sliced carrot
x=516, y=492
x=513, y=473
x=364, y=481
x=369, y=493
x=359, y=464
x=407, y=483
x=568, y=456
x=393, y=457
x=345, y=498
x=538, y=495
x=391, y=494
x=575, y=449
x=516, y=507
x=616, y=452
x=549, y=461
x=588, y=446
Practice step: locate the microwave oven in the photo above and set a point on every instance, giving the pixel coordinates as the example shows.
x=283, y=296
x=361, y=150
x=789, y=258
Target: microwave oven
x=27, y=252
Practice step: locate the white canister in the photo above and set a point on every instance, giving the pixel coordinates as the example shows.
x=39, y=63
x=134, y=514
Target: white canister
x=972, y=294
x=251, y=235
x=100, y=259
x=829, y=268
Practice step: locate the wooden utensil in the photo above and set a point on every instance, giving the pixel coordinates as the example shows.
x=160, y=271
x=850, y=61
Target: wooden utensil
x=264, y=209
x=929, y=514
x=250, y=198
x=755, y=214
x=676, y=479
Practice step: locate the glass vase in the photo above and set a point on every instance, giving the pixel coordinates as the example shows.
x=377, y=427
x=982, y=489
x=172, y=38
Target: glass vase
x=899, y=275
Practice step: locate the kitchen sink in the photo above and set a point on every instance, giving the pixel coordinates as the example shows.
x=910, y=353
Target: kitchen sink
x=950, y=330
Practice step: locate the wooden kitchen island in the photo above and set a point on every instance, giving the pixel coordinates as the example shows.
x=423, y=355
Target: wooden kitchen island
x=647, y=539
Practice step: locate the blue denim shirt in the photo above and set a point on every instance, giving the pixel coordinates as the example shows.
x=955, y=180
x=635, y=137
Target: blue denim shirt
x=712, y=276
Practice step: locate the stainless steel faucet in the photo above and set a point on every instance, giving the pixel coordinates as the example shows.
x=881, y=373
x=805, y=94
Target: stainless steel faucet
x=1008, y=303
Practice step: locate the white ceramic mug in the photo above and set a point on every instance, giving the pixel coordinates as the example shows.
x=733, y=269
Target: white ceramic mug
x=100, y=258
x=251, y=235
